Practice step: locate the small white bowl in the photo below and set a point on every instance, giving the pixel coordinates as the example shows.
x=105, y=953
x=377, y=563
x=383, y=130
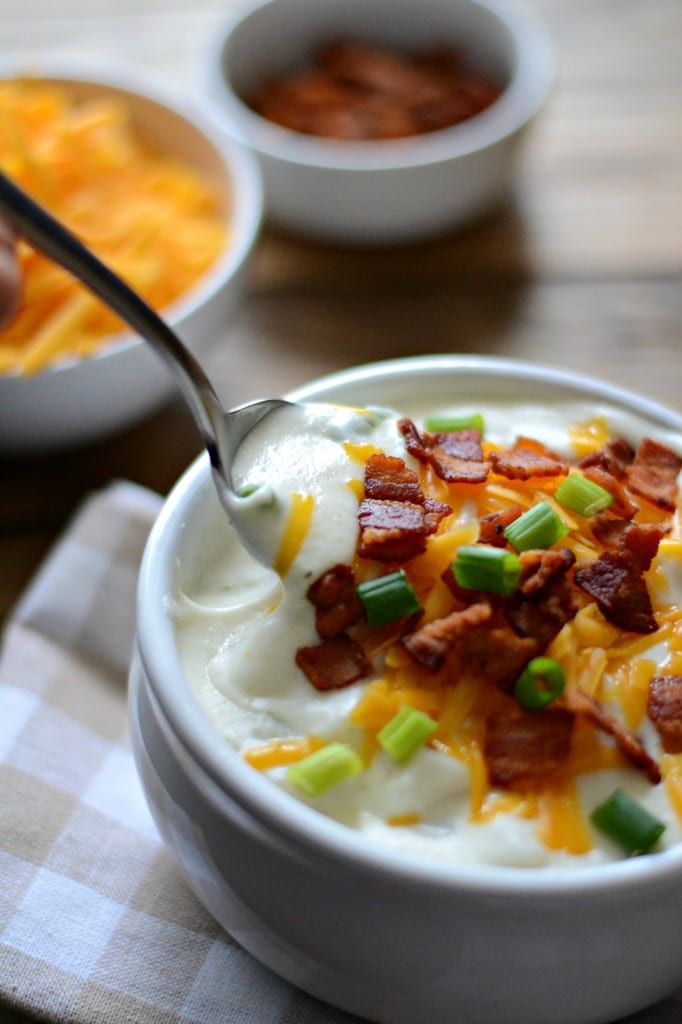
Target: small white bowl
x=389, y=935
x=81, y=400
x=392, y=191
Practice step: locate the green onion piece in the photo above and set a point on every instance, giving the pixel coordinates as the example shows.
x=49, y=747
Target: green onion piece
x=405, y=733
x=627, y=823
x=541, y=682
x=449, y=424
x=388, y=598
x=247, y=490
x=582, y=495
x=494, y=570
x=539, y=527
x=325, y=768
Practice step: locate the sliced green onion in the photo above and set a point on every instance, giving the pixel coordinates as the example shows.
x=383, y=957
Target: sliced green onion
x=627, y=823
x=539, y=527
x=405, y=733
x=325, y=768
x=541, y=682
x=388, y=598
x=582, y=495
x=247, y=490
x=450, y=424
x=494, y=570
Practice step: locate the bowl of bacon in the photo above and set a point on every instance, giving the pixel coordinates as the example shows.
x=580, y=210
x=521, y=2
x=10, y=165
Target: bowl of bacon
x=446, y=710
x=380, y=123
x=160, y=195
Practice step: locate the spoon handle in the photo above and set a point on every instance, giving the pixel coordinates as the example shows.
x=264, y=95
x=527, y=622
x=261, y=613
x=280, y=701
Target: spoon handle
x=49, y=236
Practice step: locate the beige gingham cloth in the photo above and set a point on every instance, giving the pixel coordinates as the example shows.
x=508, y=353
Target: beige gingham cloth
x=96, y=924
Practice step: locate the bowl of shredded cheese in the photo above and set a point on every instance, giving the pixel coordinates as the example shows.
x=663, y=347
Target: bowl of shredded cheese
x=166, y=200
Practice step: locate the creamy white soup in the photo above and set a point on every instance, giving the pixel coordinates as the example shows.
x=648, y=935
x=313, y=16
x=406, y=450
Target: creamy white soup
x=458, y=793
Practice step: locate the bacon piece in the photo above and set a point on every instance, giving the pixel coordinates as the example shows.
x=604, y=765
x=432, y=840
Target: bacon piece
x=621, y=505
x=414, y=442
x=539, y=569
x=523, y=748
x=616, y=584
x=524, y=463
x=434, y=511
x=429, y=645
x=542, y=617
x=337, y=606
x=455, y=470
x=456, y=457
x=497, y=655
x=653, y=474
x=491, y=527
x=664, y=707
x=614, y=458
x=391, y=531
x=583, y=704
x=608, y=531
x=334, y=663
x=389, y=479
x=395, y=516
x=641, y=539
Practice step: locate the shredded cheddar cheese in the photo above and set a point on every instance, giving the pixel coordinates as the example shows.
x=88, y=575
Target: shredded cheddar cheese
x=297, y=526
x=153, y=219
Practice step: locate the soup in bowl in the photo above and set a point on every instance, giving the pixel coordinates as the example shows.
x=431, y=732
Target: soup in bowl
x=425, y=761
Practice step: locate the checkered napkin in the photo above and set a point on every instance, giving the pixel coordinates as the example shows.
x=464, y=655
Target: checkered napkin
x=96, y=924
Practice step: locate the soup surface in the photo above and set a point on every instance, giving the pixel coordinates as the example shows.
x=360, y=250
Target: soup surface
x=303, y=667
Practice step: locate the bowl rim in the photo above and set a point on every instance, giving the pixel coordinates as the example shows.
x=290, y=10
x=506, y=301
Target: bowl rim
x=245, y=180
x=291, y=821
x=517, y=105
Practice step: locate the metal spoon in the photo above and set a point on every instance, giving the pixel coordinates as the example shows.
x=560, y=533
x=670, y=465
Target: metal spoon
x=222, y=431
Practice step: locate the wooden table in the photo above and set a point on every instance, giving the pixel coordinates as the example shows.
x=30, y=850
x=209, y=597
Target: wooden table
x=579, y=269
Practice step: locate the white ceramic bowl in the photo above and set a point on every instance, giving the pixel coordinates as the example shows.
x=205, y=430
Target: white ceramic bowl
x=82, y=400
x=390, y=191
x=383, y=933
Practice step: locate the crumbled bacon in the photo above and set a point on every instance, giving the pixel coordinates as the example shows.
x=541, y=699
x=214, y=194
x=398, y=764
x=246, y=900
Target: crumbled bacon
x=395, y=516
x=391, y=531
x=614, y=458
x=434, y=512
x=388, y=479
x=414, y=442
x=664, y=707
x=456, y=457
x=607, y=531
x=523, y=463
x=337, y=606
x=621, y=506
x=653, y=474
x=583, y=704
x=539, y=569
x=334, y=663
x=640, y=539
x=491, y=527
x=523, y=748
x=430, y=644
x=496, y=654
x=616, y=584
x=542, y=617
